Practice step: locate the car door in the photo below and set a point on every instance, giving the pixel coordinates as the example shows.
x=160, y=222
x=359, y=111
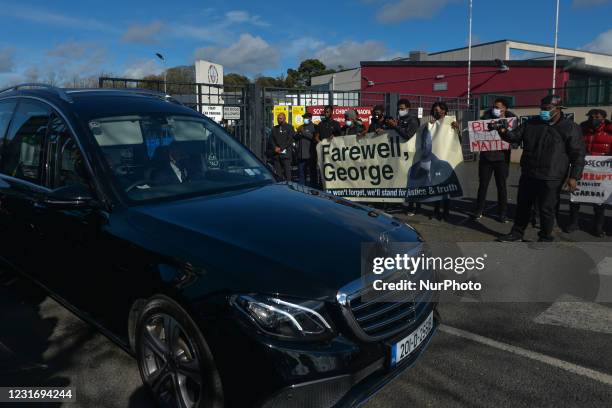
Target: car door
x=69, y=232
x=7, y=108
x=22, y=183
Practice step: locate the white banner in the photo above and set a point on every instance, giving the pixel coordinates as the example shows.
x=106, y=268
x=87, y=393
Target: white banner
x=596, y=183
x=384, y=168
x=482, y=140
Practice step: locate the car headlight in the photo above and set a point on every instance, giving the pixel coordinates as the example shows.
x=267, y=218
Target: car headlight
x=300, y=320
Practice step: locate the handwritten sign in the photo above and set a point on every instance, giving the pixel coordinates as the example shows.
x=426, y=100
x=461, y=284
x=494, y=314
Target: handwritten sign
x=482, y=140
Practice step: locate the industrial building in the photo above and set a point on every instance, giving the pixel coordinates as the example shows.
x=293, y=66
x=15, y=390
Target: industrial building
x=519, y=71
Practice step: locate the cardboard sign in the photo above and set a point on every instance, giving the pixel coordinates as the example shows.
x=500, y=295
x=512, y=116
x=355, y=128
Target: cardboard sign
x=482, y=140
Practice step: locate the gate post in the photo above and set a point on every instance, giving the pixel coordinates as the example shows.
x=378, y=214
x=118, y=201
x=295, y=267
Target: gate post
x=255, y=102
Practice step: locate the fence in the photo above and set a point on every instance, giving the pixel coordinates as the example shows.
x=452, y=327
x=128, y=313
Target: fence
x=246, y=110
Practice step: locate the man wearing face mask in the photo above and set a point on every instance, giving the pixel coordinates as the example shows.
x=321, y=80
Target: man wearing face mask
x=553, y=155
x=378, y=124
x=407, y=123
x=597, y=133
x=352, y=124
x=328, y=127
x=306, y=151
x=494, y=163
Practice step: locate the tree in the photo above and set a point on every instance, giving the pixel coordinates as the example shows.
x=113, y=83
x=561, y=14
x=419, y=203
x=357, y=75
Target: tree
x=235, y=79
x=270, y=82
x=307, y=69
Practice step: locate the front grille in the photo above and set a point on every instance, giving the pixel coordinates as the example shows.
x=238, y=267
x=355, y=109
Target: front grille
x=376, y=315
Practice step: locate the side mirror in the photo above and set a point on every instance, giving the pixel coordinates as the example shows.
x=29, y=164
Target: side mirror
x=72, y=196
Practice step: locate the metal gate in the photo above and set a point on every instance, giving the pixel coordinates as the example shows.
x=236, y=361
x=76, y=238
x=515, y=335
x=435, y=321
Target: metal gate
x=229, y=105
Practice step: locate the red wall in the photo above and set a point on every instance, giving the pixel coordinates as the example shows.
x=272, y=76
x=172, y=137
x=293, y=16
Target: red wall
x=484, y=80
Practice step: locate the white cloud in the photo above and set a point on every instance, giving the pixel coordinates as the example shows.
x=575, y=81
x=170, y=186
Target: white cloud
x=241, y=16
x=142, y=68
x=7, y=60
x=410, y=9
x=603, y=43
x=248, y=55
x=46, y=17
x=144, y=34
x=348, y=54
x=589, y=3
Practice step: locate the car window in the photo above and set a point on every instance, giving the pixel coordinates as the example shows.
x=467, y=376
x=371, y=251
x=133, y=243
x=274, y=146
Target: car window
x=24, y=142
x=65, y=159
x=6, y=112
x=162, y=156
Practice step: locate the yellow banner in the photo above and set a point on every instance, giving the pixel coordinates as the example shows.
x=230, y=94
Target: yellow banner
x=297, y=116
x=278, y=109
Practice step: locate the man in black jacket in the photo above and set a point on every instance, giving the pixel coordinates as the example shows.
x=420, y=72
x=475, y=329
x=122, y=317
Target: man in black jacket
x=407, y=123
x=328, y=127
x=553, y=153
x=306, y=151
x=282, y=139
x=378, y=123
x=494, y=163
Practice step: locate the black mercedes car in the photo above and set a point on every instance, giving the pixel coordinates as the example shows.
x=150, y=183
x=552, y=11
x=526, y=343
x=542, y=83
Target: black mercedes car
x=146, y=219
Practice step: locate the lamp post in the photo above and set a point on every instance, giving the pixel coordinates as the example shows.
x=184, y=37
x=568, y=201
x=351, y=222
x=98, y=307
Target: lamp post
x=554, y=81
x=469, y=75
x=163, y=60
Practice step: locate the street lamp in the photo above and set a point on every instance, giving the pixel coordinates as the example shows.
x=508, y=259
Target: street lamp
x=163, y=60
x=554, y=84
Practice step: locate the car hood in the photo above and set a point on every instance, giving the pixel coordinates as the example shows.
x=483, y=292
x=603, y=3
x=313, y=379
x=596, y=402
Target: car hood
x=279, y=238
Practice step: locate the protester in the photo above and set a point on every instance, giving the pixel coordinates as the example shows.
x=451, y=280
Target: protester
x=378, y=124
x=494, y=163
x=352, y=124
x=439, y=110
x=328, y=127
x=282, y=140
x=407, y=123
x=553, y=153
x=597, y=132
x=306, y=151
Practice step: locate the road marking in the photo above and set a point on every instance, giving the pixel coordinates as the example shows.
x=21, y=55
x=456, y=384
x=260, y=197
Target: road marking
x=555, y=362
x=576, y=313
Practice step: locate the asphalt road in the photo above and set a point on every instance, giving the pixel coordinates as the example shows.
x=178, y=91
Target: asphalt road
x=553, y=354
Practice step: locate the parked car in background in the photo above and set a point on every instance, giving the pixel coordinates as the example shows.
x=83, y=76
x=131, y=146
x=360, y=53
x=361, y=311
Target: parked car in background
x=150, y=222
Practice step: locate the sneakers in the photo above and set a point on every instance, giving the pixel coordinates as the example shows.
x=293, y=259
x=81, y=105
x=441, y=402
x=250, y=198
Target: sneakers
x=476, y=216
x=511, y=237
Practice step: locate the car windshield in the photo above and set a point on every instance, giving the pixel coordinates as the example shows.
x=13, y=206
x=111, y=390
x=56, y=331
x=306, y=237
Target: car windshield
x=157, y=156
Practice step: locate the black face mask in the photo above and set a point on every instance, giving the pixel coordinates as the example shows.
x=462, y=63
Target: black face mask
x=437, y=115
x=378, y=117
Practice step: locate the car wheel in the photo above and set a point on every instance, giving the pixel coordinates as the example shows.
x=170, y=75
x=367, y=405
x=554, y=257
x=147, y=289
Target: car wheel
x=174, y=360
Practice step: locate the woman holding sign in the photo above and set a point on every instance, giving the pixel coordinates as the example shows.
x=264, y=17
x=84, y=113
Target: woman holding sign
x=494, y=163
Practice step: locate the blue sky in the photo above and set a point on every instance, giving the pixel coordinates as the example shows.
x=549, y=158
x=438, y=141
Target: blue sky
x=60, y=40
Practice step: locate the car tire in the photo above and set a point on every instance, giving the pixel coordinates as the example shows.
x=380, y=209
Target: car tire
x=174, y=360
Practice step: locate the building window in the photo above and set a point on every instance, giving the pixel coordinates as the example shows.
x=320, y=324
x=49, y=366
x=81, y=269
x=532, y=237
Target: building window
x=440, y=86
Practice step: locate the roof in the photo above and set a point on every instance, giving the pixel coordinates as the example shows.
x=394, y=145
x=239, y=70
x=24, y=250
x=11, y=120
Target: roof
x=518, y=42
x=103, y=102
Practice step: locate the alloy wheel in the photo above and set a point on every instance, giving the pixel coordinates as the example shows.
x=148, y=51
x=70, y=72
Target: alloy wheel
x=170, y=363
